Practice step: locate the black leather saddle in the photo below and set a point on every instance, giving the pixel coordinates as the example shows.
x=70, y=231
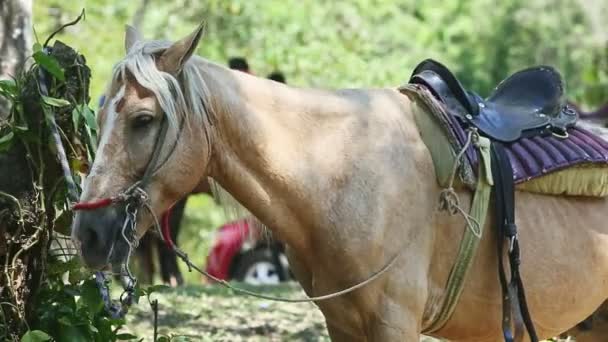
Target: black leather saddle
x=529, y=102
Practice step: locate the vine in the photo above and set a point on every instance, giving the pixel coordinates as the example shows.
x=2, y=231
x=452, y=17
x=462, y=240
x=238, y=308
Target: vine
x=45, y=293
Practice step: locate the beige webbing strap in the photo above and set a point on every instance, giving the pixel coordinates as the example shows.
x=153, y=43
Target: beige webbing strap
x=470, y=240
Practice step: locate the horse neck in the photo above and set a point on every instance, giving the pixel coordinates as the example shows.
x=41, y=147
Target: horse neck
x=259, y=136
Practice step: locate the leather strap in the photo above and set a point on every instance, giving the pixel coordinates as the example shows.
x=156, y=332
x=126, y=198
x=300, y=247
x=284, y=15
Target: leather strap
x=470, y=241
x=513, y=295
x=158, y=146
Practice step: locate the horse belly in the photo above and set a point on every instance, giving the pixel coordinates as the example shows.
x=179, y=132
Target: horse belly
x=564, y=251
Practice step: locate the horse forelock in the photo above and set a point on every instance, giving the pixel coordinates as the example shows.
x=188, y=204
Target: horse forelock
x=185, y=96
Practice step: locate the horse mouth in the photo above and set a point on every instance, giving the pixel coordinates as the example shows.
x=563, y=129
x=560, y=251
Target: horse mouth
x=97, y=259
x=119, y=252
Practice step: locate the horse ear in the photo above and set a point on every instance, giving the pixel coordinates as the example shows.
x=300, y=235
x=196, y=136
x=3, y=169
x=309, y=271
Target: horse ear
x=132, y=36
x=174, y=58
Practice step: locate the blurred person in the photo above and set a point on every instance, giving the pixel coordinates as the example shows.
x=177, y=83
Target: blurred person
x=239, y=63
x=277, y=76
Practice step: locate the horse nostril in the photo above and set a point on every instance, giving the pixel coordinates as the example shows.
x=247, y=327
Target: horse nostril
x=91, y=237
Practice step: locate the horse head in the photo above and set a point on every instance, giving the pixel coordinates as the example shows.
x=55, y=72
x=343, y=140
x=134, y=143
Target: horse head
x=147, y=158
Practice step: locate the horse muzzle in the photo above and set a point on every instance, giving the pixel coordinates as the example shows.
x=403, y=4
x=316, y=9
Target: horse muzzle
x=98, y=234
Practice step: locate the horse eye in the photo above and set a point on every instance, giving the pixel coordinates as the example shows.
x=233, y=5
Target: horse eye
x=142, y=121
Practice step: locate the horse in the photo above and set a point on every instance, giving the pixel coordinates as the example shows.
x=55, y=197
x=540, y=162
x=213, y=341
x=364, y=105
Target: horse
x=344, y=179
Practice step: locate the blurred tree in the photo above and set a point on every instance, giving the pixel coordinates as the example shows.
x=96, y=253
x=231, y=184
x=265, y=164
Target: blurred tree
x=140, y=13
x=15, y=40
x=363, y=42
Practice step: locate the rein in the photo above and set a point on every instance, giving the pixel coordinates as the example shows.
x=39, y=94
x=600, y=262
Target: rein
x=136, y=197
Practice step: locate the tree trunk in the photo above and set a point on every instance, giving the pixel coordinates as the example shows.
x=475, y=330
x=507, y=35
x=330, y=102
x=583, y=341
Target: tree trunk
x=15, y=40
x=31, y=181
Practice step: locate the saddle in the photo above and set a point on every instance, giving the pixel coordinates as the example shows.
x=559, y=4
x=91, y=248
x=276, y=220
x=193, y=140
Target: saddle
x=530, y=102
x=523, y=134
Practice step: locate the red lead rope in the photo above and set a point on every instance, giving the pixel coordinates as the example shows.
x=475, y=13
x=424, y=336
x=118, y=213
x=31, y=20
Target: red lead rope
x=166, y=229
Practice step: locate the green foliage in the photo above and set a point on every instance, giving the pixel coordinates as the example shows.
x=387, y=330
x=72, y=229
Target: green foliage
x=73, y=310
x=35, y=336
x=362, y=43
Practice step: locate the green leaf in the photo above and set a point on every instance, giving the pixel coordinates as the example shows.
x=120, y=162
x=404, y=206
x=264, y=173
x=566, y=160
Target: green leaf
x=8, y=87
x=156, y=288
x=74, y=333
x=50, y=64
x=91, y=142
x=37, y=47
x=55, y=102
x=6, y=140
x=58, y=267
x=65, y=320
x=89, y=117
x=76, y=115
x=35, y=336
x=179, y=339
x=125, y=337
x=91, y=297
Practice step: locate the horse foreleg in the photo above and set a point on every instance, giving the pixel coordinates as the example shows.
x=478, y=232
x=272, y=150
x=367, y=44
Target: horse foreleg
x=338, y=335
x=145, y=254
x=394, y=325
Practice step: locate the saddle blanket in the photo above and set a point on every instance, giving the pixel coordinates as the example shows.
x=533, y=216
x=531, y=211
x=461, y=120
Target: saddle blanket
x=576, y=165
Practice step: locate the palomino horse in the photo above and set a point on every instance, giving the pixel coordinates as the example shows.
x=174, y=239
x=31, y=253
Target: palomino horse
x=345, y=180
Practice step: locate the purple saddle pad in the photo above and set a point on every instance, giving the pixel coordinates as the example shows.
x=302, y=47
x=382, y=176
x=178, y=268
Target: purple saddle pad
x=536, y=156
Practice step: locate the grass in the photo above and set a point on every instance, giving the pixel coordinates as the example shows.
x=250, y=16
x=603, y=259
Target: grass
x=215, y=313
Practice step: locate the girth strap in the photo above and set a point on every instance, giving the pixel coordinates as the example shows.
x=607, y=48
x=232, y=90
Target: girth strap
x=470, y=240
x=513, y=295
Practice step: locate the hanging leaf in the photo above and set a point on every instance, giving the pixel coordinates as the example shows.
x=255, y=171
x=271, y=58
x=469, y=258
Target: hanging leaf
x=55, y=102
x=89, y=117
x=91, y=297
x=156, y=288
x=35, y=336
x=6, y=140
x=49, y=64
x=125, y=337
x=8, y=88
x=91, y=142
x=8, y=85
x=76, y=115
x=20, y=121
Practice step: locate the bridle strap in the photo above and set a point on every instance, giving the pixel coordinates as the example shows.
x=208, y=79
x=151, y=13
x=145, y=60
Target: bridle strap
x=158, y=147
